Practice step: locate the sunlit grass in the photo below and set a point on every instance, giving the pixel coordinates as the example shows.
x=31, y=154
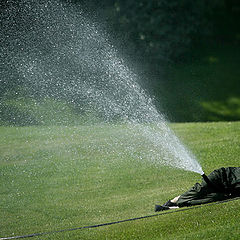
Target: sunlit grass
x=55, y=178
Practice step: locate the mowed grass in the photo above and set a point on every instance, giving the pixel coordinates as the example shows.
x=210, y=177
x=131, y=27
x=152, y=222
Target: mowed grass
x=54, y=178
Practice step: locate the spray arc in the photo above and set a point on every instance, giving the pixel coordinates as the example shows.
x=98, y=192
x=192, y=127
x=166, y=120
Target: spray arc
x=64, y=56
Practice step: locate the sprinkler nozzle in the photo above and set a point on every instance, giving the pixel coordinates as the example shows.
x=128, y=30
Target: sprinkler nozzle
x=204, y=176
x=217, y=188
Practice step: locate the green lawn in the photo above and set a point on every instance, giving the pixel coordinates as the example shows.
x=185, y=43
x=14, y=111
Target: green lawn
x=54, y=178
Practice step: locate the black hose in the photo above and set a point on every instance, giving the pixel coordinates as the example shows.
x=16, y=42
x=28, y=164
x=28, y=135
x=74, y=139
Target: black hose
x=116, y=222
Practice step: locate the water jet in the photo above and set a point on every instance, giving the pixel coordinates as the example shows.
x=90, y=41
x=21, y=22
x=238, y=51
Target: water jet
x=63, y=56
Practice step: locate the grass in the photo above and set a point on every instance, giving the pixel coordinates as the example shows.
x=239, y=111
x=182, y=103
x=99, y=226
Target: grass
x=54, y=178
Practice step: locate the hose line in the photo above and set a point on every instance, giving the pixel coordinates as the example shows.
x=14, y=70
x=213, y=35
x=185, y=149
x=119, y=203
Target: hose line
x=116, y=222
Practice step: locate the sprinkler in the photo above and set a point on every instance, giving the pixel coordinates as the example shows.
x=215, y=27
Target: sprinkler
x=204, y=176
x=217, y=188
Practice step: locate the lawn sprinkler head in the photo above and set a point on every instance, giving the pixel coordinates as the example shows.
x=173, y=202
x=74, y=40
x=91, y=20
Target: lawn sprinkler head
x=210, y=184
x=204, y=176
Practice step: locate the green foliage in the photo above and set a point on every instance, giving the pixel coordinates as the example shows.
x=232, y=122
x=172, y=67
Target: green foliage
x=222, y=110
x=161, y=29
x=201, y=40
x=54, y=178
x=210, y=79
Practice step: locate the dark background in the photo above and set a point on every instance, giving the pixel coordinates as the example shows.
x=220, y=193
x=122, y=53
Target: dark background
x=190, y=51
x=186, y=52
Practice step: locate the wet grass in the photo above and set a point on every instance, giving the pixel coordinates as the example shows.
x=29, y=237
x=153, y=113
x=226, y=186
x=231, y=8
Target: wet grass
x=55, y=178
